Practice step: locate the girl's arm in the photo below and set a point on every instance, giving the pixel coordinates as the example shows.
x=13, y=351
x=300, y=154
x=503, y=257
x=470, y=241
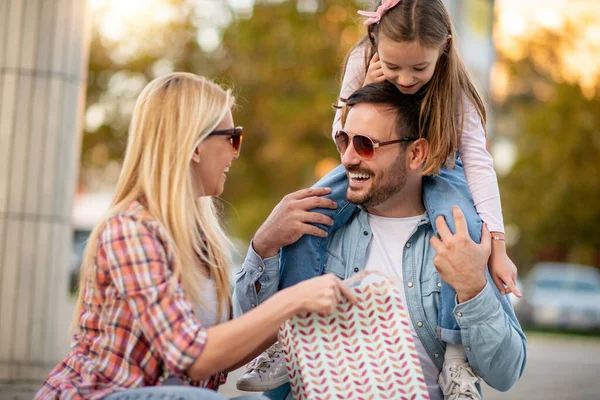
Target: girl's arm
x=479, y=170
x=481, y=178
x=354, y=77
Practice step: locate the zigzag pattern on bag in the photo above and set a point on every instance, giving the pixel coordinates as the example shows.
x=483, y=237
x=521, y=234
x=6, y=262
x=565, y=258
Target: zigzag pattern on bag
x=362, y=352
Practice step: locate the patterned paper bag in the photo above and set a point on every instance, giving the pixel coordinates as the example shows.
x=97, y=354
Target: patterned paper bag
x=360, y=352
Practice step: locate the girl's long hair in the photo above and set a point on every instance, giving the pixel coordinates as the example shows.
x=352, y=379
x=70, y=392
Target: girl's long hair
x=172, y=115
x=442, y=108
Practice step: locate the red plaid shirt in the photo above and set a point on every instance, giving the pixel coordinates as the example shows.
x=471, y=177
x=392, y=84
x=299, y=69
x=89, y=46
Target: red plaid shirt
x=135, y=326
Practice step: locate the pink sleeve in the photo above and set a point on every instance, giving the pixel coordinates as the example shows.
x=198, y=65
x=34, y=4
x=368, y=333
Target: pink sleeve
x=354, y=77
x=479, y=170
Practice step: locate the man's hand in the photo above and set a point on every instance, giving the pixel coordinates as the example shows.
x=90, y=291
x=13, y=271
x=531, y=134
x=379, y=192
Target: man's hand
x=290, y=219
x=460, y=261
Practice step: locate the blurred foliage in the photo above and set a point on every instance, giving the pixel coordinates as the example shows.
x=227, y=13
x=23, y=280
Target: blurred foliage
x=283, y=64
x=283, y=61
x=552, y=192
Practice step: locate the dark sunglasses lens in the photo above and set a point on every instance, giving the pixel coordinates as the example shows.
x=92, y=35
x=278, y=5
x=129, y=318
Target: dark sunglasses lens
x=236, y=142
x=341, y=141
x=363, y=146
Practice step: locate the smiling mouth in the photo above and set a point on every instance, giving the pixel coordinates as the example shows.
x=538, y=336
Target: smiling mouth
x=358, y=178
x=408, y=87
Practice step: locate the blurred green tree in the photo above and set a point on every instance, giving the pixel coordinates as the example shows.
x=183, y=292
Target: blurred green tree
x=283, y=60
x=284, y=63
x=552, y=192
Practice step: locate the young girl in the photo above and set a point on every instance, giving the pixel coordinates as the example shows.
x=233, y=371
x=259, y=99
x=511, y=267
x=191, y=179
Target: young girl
x=410, y=43
x=154, y=304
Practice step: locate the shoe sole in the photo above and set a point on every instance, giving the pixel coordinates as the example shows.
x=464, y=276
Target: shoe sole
x=263, y=386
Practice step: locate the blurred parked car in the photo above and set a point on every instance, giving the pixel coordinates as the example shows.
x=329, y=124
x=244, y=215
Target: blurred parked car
x=561, y=295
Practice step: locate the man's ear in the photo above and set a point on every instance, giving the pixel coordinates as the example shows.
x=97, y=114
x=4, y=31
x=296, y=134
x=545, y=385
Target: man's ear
x=417, y=153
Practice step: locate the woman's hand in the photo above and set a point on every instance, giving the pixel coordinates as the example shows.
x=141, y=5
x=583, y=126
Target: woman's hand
x=320, y=295
x=291, y=218
x=375, y=72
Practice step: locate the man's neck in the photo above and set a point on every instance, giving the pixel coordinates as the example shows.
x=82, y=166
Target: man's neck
x=406, y=203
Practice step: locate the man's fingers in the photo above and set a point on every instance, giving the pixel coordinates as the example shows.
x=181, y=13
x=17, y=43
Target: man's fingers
x=437, y=244
x=313, y=230
x=486, y=237
x=459, y=220
x=442, y=228
x=309, y=192
x=318, y=218
x=309, y=203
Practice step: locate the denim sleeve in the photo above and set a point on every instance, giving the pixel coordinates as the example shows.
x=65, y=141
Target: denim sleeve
x=304, y=259
x=449, y=188
x=254, y=269
x=493, y=339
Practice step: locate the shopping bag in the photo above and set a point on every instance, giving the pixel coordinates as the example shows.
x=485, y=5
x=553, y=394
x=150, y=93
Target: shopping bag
x=364, y=351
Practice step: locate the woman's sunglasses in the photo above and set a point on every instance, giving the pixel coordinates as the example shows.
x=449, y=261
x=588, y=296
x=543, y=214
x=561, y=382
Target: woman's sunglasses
x=363, y=145
x=235, y=139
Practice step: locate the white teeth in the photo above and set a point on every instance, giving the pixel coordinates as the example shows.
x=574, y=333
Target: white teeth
x=359, y=176
x=226, y=169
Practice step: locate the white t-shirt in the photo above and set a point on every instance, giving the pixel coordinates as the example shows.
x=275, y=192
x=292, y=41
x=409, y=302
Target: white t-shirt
x=384, y=254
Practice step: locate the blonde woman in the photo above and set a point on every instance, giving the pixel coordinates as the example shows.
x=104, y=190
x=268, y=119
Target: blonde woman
x=154, y=302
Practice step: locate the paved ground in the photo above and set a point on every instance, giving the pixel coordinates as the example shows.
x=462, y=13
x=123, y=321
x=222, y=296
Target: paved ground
x=558, y=368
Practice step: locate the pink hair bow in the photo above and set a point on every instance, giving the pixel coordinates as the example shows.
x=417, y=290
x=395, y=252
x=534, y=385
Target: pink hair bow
x=373, y=17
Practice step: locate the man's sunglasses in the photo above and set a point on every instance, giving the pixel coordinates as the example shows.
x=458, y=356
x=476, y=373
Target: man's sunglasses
x=235, y=139
x=363, y=145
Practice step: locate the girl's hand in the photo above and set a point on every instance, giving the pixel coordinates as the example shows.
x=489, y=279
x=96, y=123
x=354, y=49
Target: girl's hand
x=321, y=294
x=375, y=72
x=503, y=271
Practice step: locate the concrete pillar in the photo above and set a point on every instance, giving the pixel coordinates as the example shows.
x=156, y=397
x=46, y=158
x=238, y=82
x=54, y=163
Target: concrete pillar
x=43, y=67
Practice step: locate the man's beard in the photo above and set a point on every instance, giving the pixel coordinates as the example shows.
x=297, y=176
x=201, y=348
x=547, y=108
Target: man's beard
x=383, y=186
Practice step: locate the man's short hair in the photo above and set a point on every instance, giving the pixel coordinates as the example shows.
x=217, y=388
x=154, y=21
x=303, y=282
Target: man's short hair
x=406, y=107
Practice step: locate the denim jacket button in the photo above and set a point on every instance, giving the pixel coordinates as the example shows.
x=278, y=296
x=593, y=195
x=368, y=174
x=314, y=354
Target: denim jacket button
x=410, y=284
x=419, y=324
x=439, y=284
x=366, y=233
x=260, y=269
x=355, y=269
x=408, y=245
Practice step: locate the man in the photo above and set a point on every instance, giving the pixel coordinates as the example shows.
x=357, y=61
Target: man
x=391, y=232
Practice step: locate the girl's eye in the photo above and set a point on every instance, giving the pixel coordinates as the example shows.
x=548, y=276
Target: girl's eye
x=420, y=69
x=392, y=68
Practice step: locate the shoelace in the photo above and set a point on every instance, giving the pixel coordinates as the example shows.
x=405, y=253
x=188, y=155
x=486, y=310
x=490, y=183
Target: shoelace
x=464, y=380
x=265, y=359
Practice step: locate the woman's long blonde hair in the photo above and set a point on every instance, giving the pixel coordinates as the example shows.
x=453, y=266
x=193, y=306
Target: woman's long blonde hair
x=442, y=108
x=172, y=115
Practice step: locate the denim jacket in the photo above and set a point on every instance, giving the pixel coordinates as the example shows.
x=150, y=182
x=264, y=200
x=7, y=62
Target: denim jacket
x=492, y=337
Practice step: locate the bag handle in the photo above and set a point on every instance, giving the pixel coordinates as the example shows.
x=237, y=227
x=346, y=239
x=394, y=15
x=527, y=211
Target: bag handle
x=390, y=282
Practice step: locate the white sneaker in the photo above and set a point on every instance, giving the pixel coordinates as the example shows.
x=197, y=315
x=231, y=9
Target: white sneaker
x=457, y=382
x=266, y=372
